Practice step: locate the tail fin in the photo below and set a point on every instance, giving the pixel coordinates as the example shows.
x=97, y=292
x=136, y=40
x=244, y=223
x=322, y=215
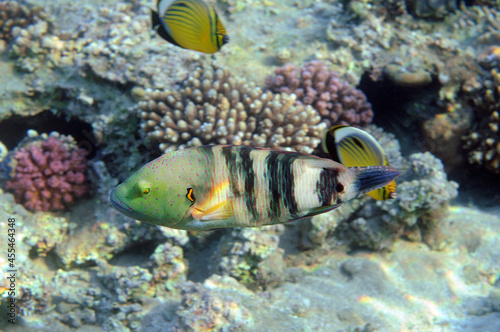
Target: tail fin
x=373, y=177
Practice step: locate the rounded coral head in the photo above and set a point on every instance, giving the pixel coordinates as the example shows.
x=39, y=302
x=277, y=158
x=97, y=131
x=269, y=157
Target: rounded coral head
x=48, y=172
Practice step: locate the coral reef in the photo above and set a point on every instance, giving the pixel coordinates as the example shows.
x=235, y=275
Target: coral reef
x=52, y=233
x=89, y=243
x=483, y=142
x=220, y=311
x=48, y=172
x=251, y=256
x=335, y=100
x=108, y=46
x=214, y=107
x=410, y=59
x=13, y=14
x=91, y=268
x=431, y=8
x=318, y=229
x=170, y=268
x=422, y=200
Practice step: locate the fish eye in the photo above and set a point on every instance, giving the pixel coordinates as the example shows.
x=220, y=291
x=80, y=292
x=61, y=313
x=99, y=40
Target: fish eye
x=190, y=195
x=225, y=39
x=144, y=187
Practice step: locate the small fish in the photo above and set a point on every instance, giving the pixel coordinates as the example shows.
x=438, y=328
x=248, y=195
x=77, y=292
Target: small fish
x=220, y=186
x=190, y=24
x=355, y=147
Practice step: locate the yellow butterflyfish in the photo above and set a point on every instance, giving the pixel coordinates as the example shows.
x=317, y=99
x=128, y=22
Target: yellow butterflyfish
x=190, y=24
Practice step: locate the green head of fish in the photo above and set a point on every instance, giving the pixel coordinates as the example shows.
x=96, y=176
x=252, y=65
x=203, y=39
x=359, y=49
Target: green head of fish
x=157, y=193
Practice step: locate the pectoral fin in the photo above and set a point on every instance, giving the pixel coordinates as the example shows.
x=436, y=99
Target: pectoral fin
x=218, y=206
x=220, y=211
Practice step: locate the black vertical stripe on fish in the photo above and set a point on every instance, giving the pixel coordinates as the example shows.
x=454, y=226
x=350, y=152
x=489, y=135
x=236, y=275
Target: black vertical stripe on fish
x=215, y=35
x=230, y=155
x=274, y=180
x=331, y=147
x=281, y=183
x=288, y=184
x=247, y=164
x=325, y=187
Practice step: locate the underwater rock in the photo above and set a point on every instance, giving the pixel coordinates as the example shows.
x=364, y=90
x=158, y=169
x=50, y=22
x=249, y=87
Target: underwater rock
x=74, y=287
x=169, y=269
x=251, y=256
x=47, y=172
x=3, y=152
x=51, y=231
x=494, y=299
x=205, y=307
x=443, y=133
x=483, y=141
x=422, y=199
x=214, y=107
x=402, y=77
x=435, y=9
x=421, y=203
x=336, y=101
x=13, y=14
x=90, y=243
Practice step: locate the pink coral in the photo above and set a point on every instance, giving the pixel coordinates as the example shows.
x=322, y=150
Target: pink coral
x=48, y=173
x=335, y=100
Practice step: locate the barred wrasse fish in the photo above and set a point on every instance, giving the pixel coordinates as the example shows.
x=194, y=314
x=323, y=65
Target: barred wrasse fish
x=221, y=186
x=190, y=24
x=355, y=147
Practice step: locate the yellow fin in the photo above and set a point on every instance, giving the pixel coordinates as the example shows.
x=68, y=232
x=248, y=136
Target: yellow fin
x=220, y=211
x=217, y=206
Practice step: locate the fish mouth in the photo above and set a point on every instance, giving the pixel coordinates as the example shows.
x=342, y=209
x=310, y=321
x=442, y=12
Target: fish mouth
x=118, y=204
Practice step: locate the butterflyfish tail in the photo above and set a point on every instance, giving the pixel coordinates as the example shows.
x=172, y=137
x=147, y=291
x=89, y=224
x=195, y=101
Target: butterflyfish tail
x=369, y=178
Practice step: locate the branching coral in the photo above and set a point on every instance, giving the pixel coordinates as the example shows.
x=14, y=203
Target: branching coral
x=48, y=172
x=214, y=107
x=335, y=100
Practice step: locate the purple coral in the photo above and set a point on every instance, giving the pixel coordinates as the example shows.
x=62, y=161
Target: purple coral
x=48, y=173
x=335, y=100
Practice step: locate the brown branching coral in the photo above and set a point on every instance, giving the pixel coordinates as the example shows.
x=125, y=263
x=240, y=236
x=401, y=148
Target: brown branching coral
x=335, y=100
x=214, y=107
x=483, y=142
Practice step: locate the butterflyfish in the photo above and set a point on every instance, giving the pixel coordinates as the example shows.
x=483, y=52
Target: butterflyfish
x=355, y=147
x=190, y=24
x=219, y=186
